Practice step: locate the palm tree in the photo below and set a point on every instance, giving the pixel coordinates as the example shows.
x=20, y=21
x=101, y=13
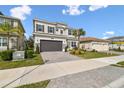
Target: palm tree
x=7, y=29
x=77, y=33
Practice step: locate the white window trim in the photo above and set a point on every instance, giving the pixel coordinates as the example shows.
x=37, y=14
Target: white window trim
x=1, y=40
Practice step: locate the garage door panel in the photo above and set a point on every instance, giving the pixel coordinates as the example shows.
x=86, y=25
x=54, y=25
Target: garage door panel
x=49, y=45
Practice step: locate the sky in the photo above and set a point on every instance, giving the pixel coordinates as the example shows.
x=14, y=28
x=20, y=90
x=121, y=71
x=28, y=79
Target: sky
x=101, y=21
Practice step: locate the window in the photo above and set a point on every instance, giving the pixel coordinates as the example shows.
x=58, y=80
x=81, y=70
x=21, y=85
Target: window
x=1, y=20
x=73, y=44
x=15, y=23
x=56, y=29
x=3, y=41
x=69, y=32
x=61, y=31
x=39, y=27
x=50, y=29
x=0, y=41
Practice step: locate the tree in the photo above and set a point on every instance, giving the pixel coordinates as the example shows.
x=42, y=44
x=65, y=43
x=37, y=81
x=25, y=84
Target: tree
x=77, y=33
x=37, y=50
x=7, y=29
x=30, y=43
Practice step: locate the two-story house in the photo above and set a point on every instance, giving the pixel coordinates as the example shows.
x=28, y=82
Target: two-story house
x=52, y=36
x=16, y=39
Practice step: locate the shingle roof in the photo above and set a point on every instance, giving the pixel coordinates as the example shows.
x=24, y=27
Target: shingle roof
x=90, y=39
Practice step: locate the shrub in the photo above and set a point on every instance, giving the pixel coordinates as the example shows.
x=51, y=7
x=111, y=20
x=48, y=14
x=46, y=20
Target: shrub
x=72, y=51
x=75, y=48
x=29, y=54
x=82, y=52
x=6, y=55
x=37, y=50
x=94, y=50
x=119, y=49
x=77, y=52
x=66, y=48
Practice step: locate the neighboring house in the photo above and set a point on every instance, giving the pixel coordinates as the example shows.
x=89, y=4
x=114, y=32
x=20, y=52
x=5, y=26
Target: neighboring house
x=117, y=42
x=16, y=41
x=91, y=43
x=52, y=36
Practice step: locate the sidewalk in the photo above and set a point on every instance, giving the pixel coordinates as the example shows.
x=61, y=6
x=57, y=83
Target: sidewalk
x=25, y=75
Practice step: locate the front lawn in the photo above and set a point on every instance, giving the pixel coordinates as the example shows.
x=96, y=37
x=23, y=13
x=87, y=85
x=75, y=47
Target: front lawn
x=88, y=55
x=36, y=60
x=42, y=84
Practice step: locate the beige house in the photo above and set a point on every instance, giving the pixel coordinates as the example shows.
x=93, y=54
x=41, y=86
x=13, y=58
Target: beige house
x=116, y=42
x=91, y=43
x=16, y=39
x=52, y=36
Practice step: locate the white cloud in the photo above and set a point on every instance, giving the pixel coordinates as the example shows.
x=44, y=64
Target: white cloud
x=109, y=33
x=96, y=7
x=73, y=10
x=105, y=37
x=20, y=12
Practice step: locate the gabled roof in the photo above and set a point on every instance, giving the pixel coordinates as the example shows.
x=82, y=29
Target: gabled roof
x=53, y=23
x=92, y=39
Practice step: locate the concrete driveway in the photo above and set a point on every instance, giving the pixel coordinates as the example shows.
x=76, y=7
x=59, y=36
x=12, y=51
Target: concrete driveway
x=52, y=57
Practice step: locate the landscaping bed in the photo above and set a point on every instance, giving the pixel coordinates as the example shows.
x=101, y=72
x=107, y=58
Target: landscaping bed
x=90, y=54
x=42, y=84
x=119, y=64
x=36, y=60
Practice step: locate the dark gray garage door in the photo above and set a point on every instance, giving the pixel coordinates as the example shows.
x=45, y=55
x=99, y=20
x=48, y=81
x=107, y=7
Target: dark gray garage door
x=50, y=45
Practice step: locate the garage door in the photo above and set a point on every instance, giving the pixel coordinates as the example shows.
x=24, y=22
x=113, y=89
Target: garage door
x=50, y=45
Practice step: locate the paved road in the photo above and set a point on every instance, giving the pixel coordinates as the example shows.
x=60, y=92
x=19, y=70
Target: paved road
x=52, y=57
x=90, y=79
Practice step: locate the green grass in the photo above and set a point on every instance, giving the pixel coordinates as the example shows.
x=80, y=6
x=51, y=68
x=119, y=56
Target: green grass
x=36, y=60
x=119, y=64
x=42, y=84
x=88, y=55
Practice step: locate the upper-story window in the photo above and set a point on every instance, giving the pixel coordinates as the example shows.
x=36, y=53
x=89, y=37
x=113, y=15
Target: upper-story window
x=69, y=32
x=1, y=20
x=50, y=29
x=15, y=23
x=39, y=27
x=61, y=31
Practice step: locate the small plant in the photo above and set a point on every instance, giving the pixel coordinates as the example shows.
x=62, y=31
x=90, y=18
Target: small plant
x=94, y=50
x=82, y=52
x=37, y=50
x=72, y=51
x=75, y=48
x=29, y=54
x=119, y=49
x=66, y=48
x=77, y=52
x=6, y=55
